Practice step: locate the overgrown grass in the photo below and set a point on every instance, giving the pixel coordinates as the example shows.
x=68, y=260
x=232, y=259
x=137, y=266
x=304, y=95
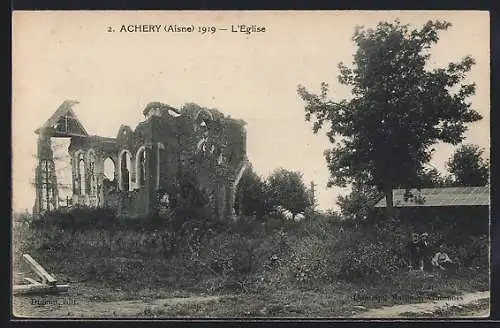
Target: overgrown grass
x=274, y=267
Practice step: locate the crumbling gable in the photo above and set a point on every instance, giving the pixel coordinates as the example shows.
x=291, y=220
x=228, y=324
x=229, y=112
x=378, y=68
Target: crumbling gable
x=150, y=160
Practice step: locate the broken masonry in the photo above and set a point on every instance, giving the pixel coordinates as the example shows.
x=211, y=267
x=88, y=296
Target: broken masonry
x=149, y=163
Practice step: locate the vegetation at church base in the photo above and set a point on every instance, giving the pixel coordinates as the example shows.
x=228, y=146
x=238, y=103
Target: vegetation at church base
x=247, y=257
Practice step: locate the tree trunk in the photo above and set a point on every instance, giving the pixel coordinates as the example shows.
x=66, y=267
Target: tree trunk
x=389, y=202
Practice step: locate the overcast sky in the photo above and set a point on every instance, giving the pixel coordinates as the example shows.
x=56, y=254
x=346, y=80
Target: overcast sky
x=70, y=55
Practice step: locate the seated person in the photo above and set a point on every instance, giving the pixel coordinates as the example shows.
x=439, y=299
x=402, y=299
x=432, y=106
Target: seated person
x=441, y=260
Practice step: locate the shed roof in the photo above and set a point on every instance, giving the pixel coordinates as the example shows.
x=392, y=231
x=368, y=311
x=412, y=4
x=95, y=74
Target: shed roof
x=456, y=196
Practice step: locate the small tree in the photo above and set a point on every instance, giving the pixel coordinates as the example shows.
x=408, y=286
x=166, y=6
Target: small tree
x=398, y=109
x=359, y=202
x=251, y=194
x=468, y=166
x=286, y=188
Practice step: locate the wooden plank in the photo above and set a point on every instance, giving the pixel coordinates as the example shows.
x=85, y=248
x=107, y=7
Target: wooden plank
x=39, y=270
x=38, y=289
x=32, y=281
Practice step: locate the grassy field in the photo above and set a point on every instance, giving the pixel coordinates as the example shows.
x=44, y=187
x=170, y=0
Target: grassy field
x=306, y=269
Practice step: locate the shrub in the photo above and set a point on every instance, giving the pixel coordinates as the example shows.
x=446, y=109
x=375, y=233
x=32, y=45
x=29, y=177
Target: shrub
x=247, y=255
x=309, y=263
x=373, y=250
x=79, y=217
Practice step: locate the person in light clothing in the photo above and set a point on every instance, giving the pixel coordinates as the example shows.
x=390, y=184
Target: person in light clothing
x=441, y=260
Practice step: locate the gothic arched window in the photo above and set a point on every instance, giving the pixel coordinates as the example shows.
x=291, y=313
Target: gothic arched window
x=125, y=173
x=82, y=181
x=47, y=185
x=141, y=167
x=92, y=173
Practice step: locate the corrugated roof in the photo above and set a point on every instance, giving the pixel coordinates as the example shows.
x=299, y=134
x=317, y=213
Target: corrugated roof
x=456, y=196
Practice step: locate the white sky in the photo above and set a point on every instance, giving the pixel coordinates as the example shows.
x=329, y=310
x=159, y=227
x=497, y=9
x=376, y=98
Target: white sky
x=69, y=55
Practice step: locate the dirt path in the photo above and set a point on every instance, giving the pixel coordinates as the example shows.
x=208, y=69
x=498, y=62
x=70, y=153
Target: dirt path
x=428, y=308
x=481, y=314
x=78, y=307
x=68, y=307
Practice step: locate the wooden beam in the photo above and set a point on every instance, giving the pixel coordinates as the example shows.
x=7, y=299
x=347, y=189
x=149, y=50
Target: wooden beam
x=32, y=281
x=39, y=270
x=39, y=289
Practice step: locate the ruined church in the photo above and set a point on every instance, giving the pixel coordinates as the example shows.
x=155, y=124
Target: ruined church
x=151, y=162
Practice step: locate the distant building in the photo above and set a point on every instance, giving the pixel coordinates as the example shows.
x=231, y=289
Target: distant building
x=446, y=204
x=147, y=162
x=440, y=197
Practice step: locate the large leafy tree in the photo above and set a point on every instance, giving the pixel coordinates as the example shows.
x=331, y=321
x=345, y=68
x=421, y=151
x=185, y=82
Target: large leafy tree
x=397, y=111
x=468, y=166
x=287, y=189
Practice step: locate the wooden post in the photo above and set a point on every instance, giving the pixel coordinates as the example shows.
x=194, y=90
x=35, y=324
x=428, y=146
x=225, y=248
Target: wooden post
x=32, y=281
x=47, y=286
x=39, y=289
x=39, y=270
